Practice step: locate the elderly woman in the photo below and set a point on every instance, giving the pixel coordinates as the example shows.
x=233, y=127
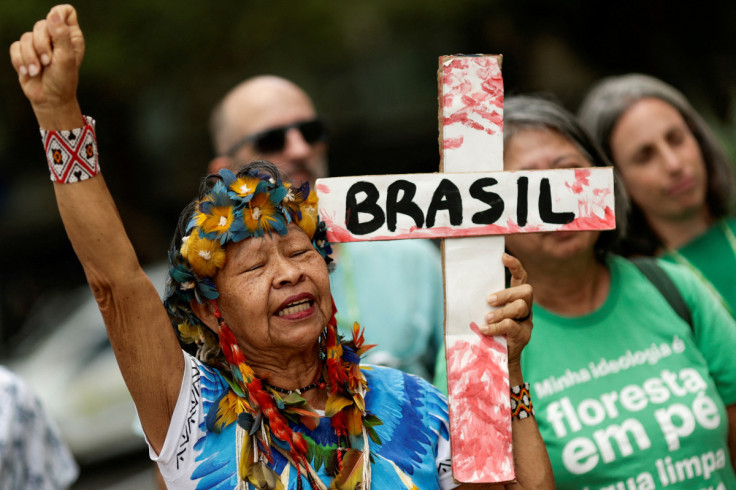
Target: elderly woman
x=274, y=398
x=628, y=395
x=676, y=172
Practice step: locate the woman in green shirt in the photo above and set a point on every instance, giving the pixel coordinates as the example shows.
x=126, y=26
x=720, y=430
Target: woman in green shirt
x=627, y=393
x=677, y=175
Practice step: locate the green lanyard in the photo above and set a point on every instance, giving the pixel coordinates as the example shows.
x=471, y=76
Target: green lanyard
x=681, y=259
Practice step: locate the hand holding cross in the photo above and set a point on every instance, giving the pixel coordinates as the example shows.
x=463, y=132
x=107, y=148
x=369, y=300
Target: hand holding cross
x=467, y=208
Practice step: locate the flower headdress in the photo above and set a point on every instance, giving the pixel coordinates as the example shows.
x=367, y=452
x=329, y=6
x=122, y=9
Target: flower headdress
x=247, y=205
x=253, y=203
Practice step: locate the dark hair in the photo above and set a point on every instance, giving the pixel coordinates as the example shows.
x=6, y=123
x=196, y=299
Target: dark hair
x=523, y=112
x=601, y=110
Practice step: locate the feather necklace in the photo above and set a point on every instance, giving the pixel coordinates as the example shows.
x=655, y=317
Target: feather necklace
x=262, y=414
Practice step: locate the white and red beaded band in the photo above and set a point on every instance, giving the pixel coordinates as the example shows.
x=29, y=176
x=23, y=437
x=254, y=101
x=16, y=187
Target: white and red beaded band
x=72, y=154
x=521, y=402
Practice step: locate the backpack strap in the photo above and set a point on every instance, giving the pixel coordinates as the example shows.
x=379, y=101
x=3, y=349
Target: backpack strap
x=657, y=276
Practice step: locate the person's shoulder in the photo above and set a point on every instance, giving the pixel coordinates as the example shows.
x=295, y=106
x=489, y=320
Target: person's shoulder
x=683, y=278
x=14, y=387
x=728, y=222
x=204, y=373
x=8, y=377
x=672, y=269
x=22, y=404
x=682, y=275
x=393, y=378
x=623, y=267
x=384, y=371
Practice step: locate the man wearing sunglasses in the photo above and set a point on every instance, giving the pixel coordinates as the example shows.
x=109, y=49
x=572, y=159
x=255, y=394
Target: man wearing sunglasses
x=393, y=288
x=270, y=118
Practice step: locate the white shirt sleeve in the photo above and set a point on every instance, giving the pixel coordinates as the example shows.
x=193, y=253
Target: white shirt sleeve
x=177, y=454
x=444, y=464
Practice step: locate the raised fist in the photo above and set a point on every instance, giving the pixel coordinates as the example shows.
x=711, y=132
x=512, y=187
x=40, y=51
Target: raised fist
x=47, y=61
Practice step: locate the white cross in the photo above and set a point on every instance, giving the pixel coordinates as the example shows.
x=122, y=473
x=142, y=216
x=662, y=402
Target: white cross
x=466, y=209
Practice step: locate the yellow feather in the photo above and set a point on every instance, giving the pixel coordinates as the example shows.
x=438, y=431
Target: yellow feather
x=351, y=475
x=354, y=421
x=335, y=403
x=246, y=456
x=264, y=478
x=359, y=402
x=230, y=406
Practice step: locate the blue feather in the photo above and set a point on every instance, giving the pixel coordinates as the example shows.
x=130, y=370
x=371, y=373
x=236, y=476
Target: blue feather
x=405, y=439
x=245, y=421
x=349, y=355
x=214, y=471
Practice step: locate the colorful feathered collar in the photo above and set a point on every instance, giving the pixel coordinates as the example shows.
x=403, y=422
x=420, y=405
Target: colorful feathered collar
x=262, y=415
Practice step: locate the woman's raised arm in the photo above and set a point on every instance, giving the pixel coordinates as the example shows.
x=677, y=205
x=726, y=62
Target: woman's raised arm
x=47, y=61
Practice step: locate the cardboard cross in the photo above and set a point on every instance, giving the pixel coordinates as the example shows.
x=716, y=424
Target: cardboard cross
x=472, y=200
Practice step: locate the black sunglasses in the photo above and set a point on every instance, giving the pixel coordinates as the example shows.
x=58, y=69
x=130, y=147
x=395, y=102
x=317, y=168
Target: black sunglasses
x=273, y=140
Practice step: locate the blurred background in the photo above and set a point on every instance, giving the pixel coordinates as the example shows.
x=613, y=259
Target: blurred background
x=154, y=69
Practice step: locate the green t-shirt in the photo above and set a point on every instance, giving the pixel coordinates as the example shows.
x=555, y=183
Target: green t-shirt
x=714, y=256
x=629, y=397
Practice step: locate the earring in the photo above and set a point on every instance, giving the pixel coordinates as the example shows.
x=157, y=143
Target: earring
x=218, y=315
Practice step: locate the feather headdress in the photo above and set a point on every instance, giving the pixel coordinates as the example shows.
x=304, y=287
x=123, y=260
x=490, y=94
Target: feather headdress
x=253, y=203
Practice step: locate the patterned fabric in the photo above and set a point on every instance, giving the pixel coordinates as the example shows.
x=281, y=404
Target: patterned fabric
x=415, y=435
x=521, y=402
x=32, y=455
x=72, y=155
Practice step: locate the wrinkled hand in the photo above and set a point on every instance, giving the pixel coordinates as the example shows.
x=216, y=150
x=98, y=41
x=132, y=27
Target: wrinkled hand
x=47, y=61
x=513, y=316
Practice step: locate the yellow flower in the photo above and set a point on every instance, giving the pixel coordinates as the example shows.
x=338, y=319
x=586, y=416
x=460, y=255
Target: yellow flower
x=260, y=213
x=293, y=199
x=217, y=221
x=205, y=256
x=310, y=218
x=244, y=186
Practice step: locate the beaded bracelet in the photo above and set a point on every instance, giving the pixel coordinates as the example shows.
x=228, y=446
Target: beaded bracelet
x=521, y=402
x=72, y=154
